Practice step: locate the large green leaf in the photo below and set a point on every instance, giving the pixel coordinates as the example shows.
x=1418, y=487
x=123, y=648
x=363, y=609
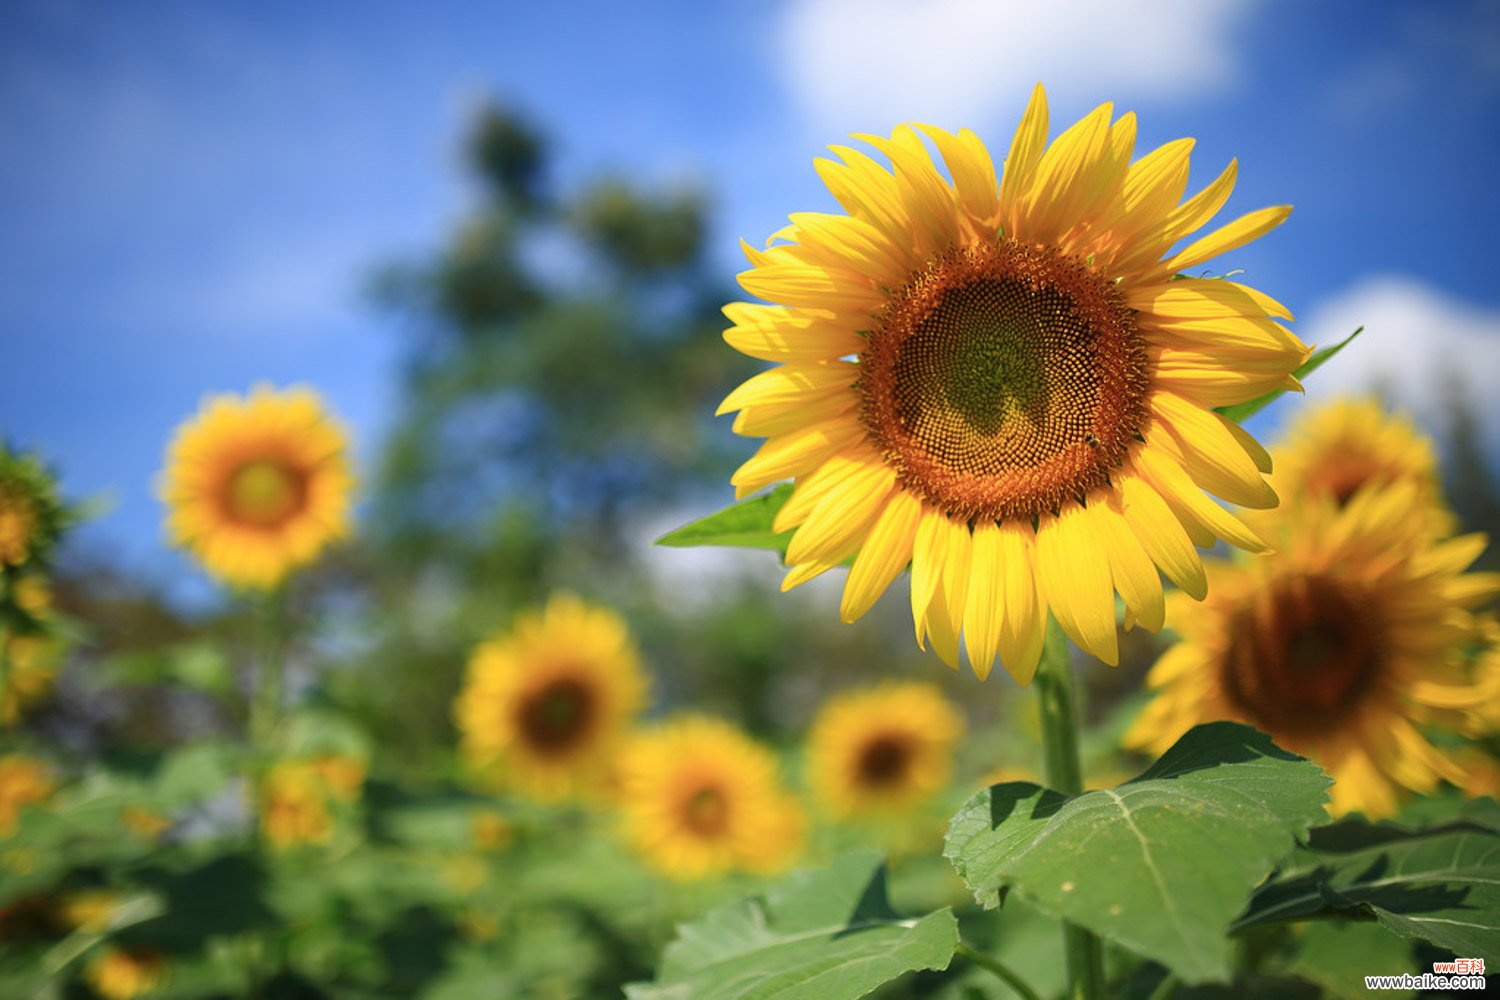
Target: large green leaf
x=745, y=525
x=1161, y=864
x=825, y=934
x=1240, y=412
x=1440, y=885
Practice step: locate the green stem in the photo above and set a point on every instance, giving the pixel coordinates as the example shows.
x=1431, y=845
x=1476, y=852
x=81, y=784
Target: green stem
x=1000, y=969
x=1054, y=687
x=1165, y=988
x=265, y=700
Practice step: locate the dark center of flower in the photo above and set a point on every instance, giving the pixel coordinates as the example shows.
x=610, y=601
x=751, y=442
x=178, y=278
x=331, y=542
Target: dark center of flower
x=1302, y=655
x=558, y=716
x=706, y=811
x=264, y=493
x=1003, y=380
x=1342, y=475
x=884, y=762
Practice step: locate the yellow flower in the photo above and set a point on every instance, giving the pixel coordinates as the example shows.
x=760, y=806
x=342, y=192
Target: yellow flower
x=24, y=781
x=1005, y=385
x=1340, y=447
x=257, y=486
x=144, y=823
x=342, y=776
x=90, y=910
x=17, y=523
x=118, y=974
x=1341, y=646
x=33, y=662
x=882, y=750
x=30, y=514
x=699, y=798
x=545, y=705
x=294, y=805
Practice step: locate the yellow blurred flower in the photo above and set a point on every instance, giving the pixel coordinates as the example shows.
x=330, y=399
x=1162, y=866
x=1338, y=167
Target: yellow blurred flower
x=1335, y=449
x=258, y=485
x=1342, y=646
x=1030, y=421
x=882, y=750
x=545, y=705
x=294, y=805
x=144, y=823
x=24, y=781
x=698, y=798
x=33, y=662
x=343, y=776
x=90, y=910
x=491, y=830
x=118, y=974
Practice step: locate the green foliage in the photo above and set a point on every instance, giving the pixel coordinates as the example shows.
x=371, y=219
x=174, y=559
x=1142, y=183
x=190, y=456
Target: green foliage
x=1170, y=855
x=1440, y=885
x=1240, y=412
x=825, y=934
x=745, y=525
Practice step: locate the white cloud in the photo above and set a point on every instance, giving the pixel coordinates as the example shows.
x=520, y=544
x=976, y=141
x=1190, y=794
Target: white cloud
x=1417, y=341
x=865, y=64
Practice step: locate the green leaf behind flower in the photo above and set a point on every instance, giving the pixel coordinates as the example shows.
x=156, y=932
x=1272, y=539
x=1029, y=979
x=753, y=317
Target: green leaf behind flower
x=1240, y=412
x=745, y=525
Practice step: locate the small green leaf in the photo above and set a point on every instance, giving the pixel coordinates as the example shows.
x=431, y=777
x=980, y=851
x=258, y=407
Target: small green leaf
x=1240, y=412
x=1163, y=863
x=745, y=525
x=826, y=934
x=1440, y=885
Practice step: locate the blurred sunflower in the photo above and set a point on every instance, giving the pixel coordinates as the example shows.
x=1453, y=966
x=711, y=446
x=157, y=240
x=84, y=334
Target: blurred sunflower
x=882, y=750
x=1007, y=385
x=699, y=798
x=1342, y=446
x=24, y=781
x=121, y=974
x=1341, y=646
x=32, y=656
x=31, y=516
x=545, y=705
x=294, y=805
x=258, y=485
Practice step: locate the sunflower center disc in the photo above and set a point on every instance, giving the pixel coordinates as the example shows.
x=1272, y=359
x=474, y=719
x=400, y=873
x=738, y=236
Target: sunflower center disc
x=1301, y=655
x=557, y=716
x=884, y=761
x=707, y=811
x=1003, y=380
x=263, y=493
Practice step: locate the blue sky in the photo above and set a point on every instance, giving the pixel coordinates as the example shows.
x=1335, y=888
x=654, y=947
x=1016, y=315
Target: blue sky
x=194, y=194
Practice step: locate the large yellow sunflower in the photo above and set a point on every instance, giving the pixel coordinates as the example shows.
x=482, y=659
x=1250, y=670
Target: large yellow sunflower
x=882, y=750
x=700, y=798
x=1342, y=446
x=1006, y=385
x=544, y=706
x=1343, y=646
x=258, y=485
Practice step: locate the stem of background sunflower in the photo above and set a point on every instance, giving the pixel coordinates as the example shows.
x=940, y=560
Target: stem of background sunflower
x=1054, y=688
x=265, y=699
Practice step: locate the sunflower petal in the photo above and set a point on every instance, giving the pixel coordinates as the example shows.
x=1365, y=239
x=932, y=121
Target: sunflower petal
x=883, y=555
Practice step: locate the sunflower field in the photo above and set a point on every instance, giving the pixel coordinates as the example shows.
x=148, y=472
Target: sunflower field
x=563, y=688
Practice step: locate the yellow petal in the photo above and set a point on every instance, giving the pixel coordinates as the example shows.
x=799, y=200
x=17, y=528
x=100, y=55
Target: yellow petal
x=789, y=384
x=1132, y=570
x=1236, y=234
x=982, y=611
x=1161, y=472
x=927, y=560
x=1213, y=456
x=795, y=454
x=883, y=555
x=1025, y=152
x=1074, y=572
x=1161, y=534
x=973, y=174
x=776, y=333
x=812, y=489
x=1023, y=619
x=836, y=526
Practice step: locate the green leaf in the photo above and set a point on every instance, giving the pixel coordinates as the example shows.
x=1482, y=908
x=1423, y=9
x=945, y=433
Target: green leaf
x=1240, y=412
x=1440, y=885
x=1160, y=865
x=1338, y=955
x=745, y=525
x=825, y=934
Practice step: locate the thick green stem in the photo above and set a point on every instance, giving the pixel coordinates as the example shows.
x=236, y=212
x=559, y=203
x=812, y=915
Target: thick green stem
x=1000, y=969
x=1054, y=687
x=265, y=699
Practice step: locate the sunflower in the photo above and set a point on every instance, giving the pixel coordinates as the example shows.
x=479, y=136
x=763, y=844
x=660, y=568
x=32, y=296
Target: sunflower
x=294, y=805
x=1345, y=445
x=121, y=974
x=882, y=750
x=24, y=781
x=698, y=798
x=1342, y=646
x=546, y=704
x=257, y=486
x=33, y=653
x=31, y=516
x=1006, y=384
